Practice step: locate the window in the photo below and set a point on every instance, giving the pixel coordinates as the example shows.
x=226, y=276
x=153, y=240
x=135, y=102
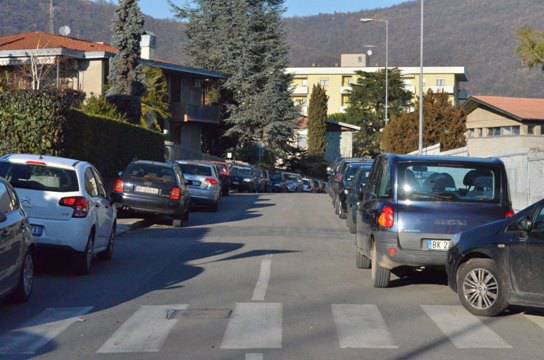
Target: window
x=151, y=172
x=91, y=185
x=324, y=82
x=305, y=82
x=39, y=177
x=5, y=199
x=191, y=169
x=479, y=132
x=538, y=224
x=360, y=59
x=383, y=185
x=533, y=129
x=100, y=183
x=509, y=130
x=440, y=83
x=198, y=83
x=471, y=133
x=14, y=199
x=494, y=131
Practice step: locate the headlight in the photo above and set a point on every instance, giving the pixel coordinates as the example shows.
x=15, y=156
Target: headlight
x=247, y=180
x=455, y=240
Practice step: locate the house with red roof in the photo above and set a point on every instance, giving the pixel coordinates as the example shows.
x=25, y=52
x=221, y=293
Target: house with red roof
x=498, y=125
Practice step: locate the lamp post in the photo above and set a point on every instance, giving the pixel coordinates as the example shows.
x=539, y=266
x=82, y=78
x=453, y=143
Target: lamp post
x=420, y=147
x=386, y=22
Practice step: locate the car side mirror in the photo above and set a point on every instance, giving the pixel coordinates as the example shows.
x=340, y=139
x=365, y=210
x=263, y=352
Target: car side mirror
x=526, y=224
x=3, y=217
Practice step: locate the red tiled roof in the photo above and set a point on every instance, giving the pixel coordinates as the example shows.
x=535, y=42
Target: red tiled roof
x=519, y=108
x=42, y=40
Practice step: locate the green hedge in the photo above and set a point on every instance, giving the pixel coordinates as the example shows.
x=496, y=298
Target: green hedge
x=43, y=122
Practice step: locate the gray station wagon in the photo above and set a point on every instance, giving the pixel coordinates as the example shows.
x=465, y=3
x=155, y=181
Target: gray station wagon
x=412, y=206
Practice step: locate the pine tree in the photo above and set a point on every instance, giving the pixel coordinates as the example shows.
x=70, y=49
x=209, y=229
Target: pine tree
x=125, y=75
x=317, y=121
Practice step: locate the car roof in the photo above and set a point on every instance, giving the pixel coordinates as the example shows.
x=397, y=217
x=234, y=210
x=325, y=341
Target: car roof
x=437, y=158
x=54, y=161
x=149, y=162
x=198, y=163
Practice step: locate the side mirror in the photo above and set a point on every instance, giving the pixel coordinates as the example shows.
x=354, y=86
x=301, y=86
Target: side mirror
x=3, y=217
x=526, y=224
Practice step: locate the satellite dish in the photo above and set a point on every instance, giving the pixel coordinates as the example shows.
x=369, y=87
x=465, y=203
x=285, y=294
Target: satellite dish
x=65, y=30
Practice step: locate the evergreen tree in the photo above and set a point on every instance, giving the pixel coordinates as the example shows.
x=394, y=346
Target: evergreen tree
x=155, y=106
x=125, y=75
x=317, y=121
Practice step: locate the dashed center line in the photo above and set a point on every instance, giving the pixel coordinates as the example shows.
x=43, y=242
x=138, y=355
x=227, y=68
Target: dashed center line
x=259, y=292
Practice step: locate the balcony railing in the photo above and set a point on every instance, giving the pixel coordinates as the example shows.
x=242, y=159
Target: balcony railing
x=300, y=90
x=346, y=89
x=195, y=113
x=448, y=89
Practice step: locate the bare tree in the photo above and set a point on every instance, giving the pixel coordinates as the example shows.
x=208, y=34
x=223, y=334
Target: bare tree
x=37, y=68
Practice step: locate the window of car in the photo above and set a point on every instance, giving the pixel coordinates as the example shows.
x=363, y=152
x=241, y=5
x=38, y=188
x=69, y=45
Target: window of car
x=194, y=169
x=100, y=184
x=7, y=202
x=14, y=199
x=384, y=188
x=151, y=172
x=91, y=185
x=39, y=177
x=538, y=223
x=454, y=182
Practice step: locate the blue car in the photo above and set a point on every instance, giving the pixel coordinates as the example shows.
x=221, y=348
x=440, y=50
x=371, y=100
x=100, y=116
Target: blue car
x=412, y=206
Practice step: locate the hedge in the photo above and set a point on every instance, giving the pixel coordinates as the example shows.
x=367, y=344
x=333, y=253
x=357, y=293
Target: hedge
x=43, y=122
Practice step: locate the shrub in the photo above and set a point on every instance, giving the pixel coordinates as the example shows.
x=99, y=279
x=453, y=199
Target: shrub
x=98, y=105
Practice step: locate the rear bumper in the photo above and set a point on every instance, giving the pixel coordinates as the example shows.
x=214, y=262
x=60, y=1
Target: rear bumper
x=148, y=205
x=72, y=234
x=406, y=257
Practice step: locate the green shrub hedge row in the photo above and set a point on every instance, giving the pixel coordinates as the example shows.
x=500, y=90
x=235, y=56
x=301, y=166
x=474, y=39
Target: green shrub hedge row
x=43, y=122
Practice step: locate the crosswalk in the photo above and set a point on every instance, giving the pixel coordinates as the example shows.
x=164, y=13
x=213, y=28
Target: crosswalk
x=259, y=325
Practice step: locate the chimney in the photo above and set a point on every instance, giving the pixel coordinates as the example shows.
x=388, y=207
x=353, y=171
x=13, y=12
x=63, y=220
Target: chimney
x=148, y=44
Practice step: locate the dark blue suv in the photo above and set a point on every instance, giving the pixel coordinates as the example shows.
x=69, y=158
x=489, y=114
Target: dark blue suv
x=412, y=206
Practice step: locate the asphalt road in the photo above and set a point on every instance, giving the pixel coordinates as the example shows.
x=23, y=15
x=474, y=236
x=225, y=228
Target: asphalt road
x=267, y=277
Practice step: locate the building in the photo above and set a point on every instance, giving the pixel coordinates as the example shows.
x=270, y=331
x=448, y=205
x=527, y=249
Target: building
x=337, y=81
x=496, y=125
x=339, y=138
x=83, y=65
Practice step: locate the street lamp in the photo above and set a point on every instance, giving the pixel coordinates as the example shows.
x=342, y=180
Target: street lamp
x=386, y=22
x=420, y=146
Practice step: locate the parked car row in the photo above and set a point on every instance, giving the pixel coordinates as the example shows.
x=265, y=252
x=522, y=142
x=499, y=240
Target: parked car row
x=453, y=213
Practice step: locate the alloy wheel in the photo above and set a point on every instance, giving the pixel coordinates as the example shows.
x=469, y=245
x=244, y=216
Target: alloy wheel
x=480, y=288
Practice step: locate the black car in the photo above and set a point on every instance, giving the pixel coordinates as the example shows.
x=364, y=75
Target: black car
x=345, y=186
x=16, y=246
x=499, y=264
x=412, y=207
x=243, y=178
x=149, y=188
x=353, y=194
x=224, y=176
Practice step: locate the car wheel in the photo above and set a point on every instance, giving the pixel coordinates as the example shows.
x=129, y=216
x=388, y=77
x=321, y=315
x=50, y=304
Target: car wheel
x=336, y=207
x=23, y=290
x=481, y=288
x=84, y=261
x=107, y=254
x=380, y=276
x=341, y=212
x=361, y=261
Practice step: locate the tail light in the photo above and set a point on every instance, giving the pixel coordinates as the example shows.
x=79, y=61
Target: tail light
x=508, y=214
x=175, y=194
x=212, y=181
x=78, y=203
x=387, y=218
x=118, y=186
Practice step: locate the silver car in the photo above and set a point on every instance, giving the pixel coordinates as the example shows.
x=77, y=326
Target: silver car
x=203, y=182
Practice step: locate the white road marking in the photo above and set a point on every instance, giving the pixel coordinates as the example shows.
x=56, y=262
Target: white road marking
x=254, y=356
x=145, y=331
x=361, y=326
x=254, y=326
x=264, y=278
x=463, y=329
x=40, y=330
x=538, y=320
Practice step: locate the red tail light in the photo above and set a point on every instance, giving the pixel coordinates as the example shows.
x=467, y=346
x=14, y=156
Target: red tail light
x=212, y=181
x=175, y=194
x=118, y=186
x=78, y=203
x=387, y=218
x=508, y=214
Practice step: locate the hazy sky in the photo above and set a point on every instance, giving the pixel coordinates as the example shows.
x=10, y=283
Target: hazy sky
x=160, y=8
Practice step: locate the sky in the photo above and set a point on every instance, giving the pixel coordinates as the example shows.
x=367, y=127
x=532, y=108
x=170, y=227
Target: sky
x=161, y=9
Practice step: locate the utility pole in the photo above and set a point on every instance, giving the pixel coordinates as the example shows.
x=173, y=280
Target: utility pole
x=51, y=17
x=420, y=147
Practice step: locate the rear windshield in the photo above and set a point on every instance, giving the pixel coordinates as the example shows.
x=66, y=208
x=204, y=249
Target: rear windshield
x=236, y=171
x=151, y=172
x=353, y=169
x=192, y=169
x=38, y=177
x=448, y=182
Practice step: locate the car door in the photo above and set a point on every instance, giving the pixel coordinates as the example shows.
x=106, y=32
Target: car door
x=96, y=208
x=11, y=237
x=366, y=214
x=107, y=209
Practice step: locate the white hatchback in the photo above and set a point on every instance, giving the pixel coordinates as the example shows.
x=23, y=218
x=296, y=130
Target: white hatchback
x=67, y=206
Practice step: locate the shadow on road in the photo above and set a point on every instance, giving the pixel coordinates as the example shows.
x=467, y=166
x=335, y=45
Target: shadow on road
x=407, y=277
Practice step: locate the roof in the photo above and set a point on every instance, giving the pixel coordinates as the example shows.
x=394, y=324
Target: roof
x=54, y=161
x=183, y=69
x=302, y=124
x=438, y=158
x=521, y=109
x=42, y=40
x=457, y=70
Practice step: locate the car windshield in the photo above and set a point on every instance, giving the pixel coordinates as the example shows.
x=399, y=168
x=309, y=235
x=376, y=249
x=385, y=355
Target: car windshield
x=454, y=182
x=365, y=174
x=291, y=177
x=193, y=169
x=237, y=171
x=39, y=177
x=151, y=172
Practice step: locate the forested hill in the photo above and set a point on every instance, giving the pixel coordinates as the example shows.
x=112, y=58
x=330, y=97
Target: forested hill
x=477, y=34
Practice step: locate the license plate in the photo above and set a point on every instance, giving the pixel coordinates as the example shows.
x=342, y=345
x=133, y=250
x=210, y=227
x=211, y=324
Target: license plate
x=440, y=245
x=146, y=190
x=195, y=183
x=37, y=230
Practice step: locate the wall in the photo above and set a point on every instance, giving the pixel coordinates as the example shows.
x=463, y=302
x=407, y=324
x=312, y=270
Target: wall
x=497, y=145
x=91, y=77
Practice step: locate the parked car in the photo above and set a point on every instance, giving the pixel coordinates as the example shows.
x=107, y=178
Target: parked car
x=338, y=176
x=224, y=176
x=353, y=194
x=67, y=205
x=16, y=247
x=203, y=182
x=243, y=178
x=149, y=188
x=344, y=187
x=499, y=264
x=307, y=185
x=412, y=206
x=294, y=182
x=277, y=183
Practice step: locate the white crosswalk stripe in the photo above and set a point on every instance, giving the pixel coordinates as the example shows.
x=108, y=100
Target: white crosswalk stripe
x=40, y=330
x=254, y=326
x=145, y=331
x=463, y=329
x=361, y=326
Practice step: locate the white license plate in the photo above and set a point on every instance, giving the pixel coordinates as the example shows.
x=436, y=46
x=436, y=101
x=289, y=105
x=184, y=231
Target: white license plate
x=37, y=230
x=440, y=245
x=146, y=190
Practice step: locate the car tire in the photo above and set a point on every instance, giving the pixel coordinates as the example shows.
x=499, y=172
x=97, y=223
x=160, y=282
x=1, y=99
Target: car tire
x=482, y=272
x=22, y=292
x=361, y=261
x=107, y=254
x=380, y=276
x=84, y=261
x=336, y=207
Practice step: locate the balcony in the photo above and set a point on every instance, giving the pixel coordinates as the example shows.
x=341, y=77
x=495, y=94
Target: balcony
x=195, y=113
x=448, y=89
x=300, y=90
x=346, y=90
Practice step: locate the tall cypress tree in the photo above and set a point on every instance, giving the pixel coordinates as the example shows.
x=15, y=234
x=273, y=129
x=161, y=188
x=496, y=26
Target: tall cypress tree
x=125, y=74
x=317, y=121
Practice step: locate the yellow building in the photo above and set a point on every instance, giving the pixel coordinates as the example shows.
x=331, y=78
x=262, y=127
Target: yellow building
x=337, y=82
